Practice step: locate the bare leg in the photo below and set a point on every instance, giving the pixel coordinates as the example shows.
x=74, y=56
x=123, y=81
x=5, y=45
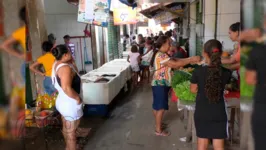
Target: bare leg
x=13, y=116
x=203, y=143
x=218, y=144
x=149, y=74
x=158, y=119
x=154, y=113
x=69, y=132
x=138, y=75
x=135, y=78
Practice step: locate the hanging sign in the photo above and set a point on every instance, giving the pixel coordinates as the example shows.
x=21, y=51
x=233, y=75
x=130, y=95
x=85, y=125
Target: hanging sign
x=82, y=17
x=94, y=12
x=125, y=16
x=101, y=12
x=164, y=17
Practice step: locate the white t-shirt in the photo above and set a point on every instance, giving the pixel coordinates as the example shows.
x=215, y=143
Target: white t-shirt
x=133, y=58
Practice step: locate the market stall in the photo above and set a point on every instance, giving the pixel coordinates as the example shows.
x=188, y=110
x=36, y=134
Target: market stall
x=186, y=101
x=102, y=85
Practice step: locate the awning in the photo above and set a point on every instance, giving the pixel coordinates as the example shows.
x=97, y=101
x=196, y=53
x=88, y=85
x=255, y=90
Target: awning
x=175, y=8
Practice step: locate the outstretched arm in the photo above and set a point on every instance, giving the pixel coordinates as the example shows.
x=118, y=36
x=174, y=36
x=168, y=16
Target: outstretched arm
x=181, y=62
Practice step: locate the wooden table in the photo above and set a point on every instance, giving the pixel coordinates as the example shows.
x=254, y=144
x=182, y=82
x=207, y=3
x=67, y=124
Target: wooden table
x=233, y=104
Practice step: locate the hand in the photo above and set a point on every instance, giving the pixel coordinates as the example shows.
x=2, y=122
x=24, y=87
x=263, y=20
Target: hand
x=250, y=35
x=22, y=56
x=195, y=59
x=79, y=101
x=226, y=91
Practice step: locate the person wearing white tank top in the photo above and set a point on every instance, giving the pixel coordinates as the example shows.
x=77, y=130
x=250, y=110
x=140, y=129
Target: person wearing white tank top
x=67, y=81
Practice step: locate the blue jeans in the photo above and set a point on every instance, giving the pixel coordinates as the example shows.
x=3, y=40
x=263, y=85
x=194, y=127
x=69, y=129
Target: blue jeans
x=48, y=86
x=23, y=71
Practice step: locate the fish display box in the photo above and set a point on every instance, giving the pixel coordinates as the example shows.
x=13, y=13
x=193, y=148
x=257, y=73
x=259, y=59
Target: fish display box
x=100, y=93
x=95, y=110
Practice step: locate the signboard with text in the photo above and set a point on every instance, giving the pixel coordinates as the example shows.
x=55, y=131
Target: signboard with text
x=125, y=16
x=94, y=12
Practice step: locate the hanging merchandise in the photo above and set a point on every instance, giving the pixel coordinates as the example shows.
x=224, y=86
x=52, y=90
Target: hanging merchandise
x=87, y=32
x=86, y=59
x=131, y=3
x=83, y=70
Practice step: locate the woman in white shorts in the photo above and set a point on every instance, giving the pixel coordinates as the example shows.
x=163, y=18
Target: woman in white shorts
x=69, y=103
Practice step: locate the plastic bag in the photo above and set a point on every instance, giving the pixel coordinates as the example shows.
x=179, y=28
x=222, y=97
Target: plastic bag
x=46, y=101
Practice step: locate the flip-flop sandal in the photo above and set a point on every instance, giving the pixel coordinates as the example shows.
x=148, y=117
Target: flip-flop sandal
x=163, y=133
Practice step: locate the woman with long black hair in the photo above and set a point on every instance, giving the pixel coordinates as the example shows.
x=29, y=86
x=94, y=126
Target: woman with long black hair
x=209, y=83
x=161, y=82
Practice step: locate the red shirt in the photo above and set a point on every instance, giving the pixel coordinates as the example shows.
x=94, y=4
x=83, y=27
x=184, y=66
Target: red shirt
x=183, y=52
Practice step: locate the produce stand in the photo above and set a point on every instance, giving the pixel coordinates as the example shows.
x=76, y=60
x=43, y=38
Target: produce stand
x=36, y=121
x=231, y=102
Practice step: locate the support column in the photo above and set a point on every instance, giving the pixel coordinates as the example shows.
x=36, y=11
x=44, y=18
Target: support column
x=94, y=47
x=192, y=36
x=199, y=20
x=37, y=34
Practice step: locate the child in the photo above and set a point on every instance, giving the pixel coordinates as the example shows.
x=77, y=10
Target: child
x=209, y=82
x=46, y=60
x=134, y=60
x=145, y=60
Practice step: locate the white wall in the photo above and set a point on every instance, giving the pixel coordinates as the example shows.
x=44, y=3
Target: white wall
x=192, y=34
x=61, y=19
x=228, y=13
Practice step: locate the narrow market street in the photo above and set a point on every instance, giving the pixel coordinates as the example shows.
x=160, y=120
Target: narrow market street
x=129, y=127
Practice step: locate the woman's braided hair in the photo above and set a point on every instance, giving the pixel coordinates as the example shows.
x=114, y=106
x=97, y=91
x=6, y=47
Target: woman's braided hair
x=213, y=86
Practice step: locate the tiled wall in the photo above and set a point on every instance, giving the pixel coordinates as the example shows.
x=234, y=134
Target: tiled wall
x=228, y=13
x=63, y=20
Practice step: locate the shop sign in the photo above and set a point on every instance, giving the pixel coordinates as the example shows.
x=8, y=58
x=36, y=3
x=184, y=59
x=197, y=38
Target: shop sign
x=101, y=12
x=125, y=16
x=94, y=12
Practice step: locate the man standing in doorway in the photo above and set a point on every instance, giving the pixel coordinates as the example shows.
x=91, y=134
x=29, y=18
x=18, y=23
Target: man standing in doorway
x=70, y=45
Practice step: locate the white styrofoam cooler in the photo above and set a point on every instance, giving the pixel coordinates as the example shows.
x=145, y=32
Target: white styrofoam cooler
x=104, y=93
x=100, y=93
